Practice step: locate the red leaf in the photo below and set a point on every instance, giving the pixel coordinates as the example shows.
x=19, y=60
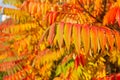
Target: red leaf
x=82, y=59
x=50, y=17
x=112, y=77
x=106, y=78
x=6, y=24
x=118, y=16
x=67, y=34
x=118, y=76
x=76, y=61
x=77, y=37
x=5, y=77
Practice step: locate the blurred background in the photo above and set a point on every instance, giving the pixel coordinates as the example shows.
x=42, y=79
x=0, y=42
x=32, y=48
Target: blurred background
x=4, y=17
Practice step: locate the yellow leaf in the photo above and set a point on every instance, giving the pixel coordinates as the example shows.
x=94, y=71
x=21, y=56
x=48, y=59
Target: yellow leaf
x=118, y=61
x=94, y=38
x=77, y=37
x=67, y=34
x=59, y=34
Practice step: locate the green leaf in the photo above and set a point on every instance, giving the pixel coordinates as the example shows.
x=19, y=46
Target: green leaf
x=58, y=70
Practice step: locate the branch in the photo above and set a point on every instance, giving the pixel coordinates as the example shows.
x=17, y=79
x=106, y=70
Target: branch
x=104, y=9
x=105, y=4
x=89, y=13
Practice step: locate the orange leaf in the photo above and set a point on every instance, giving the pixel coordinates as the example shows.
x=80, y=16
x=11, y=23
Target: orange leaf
x=38, y=9
x=112, y=15
x=105, y=20
x=94, y=38
x=50, y=17
x=110, y=38
x=77, y=36
x=54, y=16
x=117, y=37
x=67, y=34
x=51, y=34
x=86, y=37
x=102, y=38
x=6, y=65
x=30, y=6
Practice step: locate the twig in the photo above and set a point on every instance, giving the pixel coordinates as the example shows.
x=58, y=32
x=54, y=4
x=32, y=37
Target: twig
x=89, y=13
x=104, y=9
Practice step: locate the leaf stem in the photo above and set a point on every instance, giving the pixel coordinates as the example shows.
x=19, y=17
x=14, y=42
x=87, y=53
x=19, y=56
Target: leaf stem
x=89, y=13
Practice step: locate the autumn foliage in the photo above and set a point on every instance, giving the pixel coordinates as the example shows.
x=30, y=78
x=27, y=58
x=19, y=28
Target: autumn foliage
x=61, y=40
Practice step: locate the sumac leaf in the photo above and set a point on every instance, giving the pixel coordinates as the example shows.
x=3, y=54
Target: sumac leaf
x=110, y=38
x=86, y=37
x=118, y=16
x=94, y=38
x=59, y=34
x=102, y=38
x=112, y=15
x=118, y=76
x=54, y=16
x=117, y=39
x=76, y=61
x=51, y=33
x=50, y=17
x=76, y=36
x=67, y=34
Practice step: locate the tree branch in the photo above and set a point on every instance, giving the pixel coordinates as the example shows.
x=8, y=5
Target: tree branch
x=104, y=9
x=89, y=13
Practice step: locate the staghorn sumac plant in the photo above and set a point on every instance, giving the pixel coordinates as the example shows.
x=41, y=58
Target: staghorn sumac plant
x=60, y=40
